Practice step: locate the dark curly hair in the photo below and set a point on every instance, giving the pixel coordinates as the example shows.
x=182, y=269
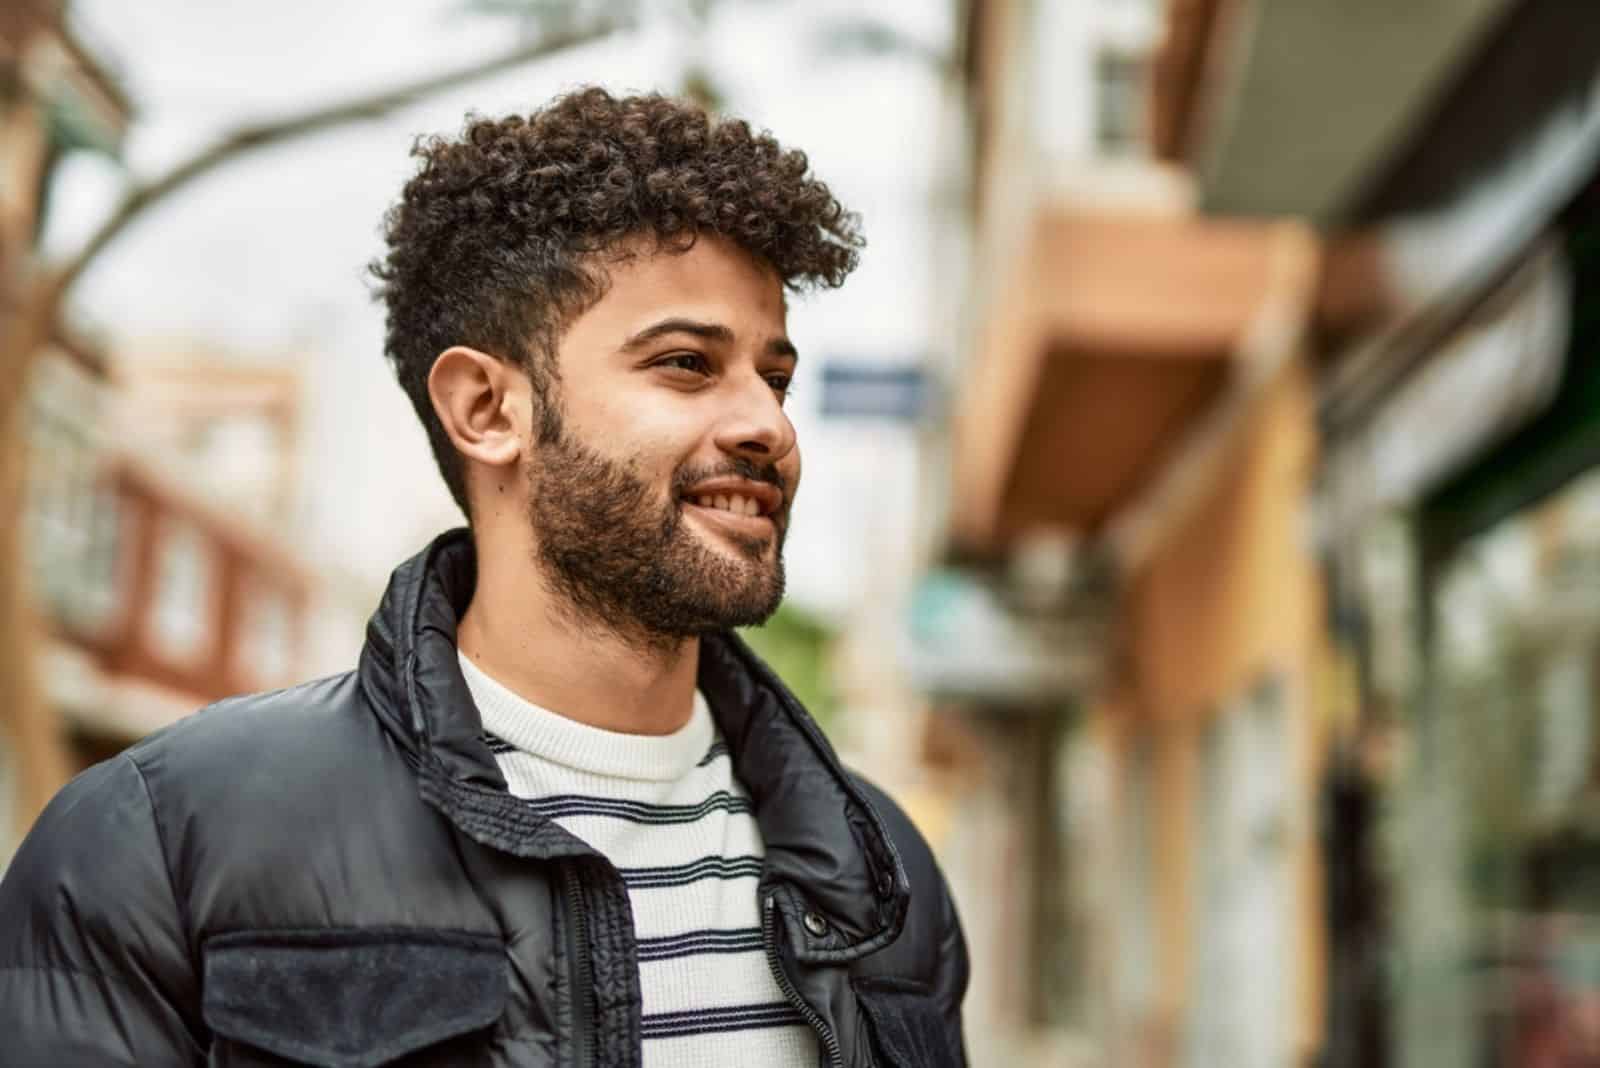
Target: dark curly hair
x=501, y=238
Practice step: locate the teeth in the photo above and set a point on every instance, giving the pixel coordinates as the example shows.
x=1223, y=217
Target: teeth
x=736, y=503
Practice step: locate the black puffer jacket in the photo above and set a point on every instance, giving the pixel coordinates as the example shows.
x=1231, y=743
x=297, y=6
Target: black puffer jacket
x=335, y=874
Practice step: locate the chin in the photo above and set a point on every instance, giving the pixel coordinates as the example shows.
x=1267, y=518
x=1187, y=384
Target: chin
x=752, y=616
x=760, y=552
x=754, y=604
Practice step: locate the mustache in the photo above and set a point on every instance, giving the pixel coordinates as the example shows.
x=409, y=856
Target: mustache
x=736, y=467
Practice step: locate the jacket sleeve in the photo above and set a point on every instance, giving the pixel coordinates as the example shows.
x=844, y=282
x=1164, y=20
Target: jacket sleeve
x=935, y=924
x=94, y=964
x=955, y=970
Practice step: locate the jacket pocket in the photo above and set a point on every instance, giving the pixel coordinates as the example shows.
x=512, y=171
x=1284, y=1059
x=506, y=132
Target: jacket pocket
x=908, y=1025
x=354, y=998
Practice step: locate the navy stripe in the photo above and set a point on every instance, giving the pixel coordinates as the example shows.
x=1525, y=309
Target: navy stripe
x=694, y=943
x=718, y=748
x=716, y=1021
x=497, y=745
x=562, y=805
x=693, y=871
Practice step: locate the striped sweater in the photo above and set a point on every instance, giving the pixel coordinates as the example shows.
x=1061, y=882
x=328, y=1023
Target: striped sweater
x=669, y=814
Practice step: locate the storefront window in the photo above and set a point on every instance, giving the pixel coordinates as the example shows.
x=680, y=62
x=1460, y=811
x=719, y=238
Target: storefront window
x=1243, y=884
x=1518, y=692
x=1489, y=929
x=1134, y=979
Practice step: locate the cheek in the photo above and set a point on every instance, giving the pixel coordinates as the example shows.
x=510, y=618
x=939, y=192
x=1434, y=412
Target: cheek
x=790, y=468
x=650, y=437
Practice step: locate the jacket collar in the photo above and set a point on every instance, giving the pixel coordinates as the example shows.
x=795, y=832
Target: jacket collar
x=826, y=848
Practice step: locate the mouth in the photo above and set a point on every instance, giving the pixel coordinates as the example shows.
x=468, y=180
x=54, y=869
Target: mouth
x=738, y=505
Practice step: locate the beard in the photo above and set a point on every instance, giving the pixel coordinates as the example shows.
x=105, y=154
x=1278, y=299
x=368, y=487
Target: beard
x=623, y=559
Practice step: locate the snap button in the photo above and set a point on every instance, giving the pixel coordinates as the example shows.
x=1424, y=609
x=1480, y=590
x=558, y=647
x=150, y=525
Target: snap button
x=885, y=884
x=815, y=923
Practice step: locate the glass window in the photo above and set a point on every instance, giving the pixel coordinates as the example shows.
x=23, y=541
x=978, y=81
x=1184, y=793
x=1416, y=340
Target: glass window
x=1120, y=79
x=181, y=612
x=72, y=520
x=1135, y=978
x=1518, y=692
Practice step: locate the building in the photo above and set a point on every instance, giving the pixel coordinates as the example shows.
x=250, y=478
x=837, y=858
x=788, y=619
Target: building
x=150, y=540
x=154, y=493
x=1452, y=498
x=153, y=487
x=55, y=97
x=1310, y=434
x=1133, y=461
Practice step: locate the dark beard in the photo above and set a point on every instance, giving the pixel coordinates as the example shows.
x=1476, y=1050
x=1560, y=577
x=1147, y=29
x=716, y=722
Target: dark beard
x=623, y=560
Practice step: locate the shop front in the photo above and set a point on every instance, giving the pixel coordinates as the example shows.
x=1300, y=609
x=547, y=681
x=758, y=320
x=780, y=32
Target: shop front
x=1460, y=514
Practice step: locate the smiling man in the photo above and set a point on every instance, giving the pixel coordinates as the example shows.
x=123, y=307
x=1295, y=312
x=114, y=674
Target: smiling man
x=559, y=814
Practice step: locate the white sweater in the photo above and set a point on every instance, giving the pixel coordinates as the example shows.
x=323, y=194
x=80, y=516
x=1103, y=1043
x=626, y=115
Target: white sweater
x=668, y=813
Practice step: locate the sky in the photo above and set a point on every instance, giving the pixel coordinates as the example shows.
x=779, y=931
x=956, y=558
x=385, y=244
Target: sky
x=267, y=257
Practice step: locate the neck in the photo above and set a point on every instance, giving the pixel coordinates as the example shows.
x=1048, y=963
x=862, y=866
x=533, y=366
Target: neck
x=524, y=635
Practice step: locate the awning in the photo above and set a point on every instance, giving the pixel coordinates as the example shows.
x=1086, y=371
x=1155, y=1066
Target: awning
x=1495, y=372
x=1293, y=107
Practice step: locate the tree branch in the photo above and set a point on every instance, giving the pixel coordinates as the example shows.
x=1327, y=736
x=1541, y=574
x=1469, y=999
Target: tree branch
x=256, y=136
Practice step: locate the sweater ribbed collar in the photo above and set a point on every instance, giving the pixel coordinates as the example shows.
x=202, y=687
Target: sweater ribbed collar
x=581, y=747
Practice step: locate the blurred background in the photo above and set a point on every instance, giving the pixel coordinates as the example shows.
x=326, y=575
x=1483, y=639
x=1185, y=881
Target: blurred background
x=1201, y=533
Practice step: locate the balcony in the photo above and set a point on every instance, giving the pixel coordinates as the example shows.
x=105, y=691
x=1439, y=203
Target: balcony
x=156, y=601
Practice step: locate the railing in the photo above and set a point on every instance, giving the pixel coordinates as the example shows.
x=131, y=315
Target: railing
x=143, y=581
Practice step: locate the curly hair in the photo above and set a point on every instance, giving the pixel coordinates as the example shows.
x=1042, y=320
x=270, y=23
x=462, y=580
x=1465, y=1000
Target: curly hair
x=502, y=237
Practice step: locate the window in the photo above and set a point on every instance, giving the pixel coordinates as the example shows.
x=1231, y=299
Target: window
x=1120, y=77
x=72, y=520
x=183, y=592
x=1135, y=977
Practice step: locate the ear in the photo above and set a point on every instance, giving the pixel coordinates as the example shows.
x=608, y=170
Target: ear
x=479, y=401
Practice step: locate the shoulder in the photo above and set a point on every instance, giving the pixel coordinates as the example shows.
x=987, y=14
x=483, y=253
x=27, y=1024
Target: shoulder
x=290, y=809
x=263, y=780
x=104, y=805
x=915, y=987
x=91, y=870
x=922, y=868
x=931, y=941
x=263, y=740
x=94, y=960
x=195, y=774
x=302, y=752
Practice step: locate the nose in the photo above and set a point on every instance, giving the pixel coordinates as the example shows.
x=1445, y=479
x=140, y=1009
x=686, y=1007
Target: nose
x=755, y=425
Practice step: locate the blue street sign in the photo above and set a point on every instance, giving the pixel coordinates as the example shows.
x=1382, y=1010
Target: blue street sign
x=892, y=392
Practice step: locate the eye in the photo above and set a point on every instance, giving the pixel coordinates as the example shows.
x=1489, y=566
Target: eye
x=693, y=362
x=782, y=384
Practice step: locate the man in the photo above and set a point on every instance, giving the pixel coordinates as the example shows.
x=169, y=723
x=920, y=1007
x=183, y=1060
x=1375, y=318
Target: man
x=559, y=815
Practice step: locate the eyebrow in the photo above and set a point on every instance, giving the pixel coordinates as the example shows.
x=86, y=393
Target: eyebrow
x=778, y=346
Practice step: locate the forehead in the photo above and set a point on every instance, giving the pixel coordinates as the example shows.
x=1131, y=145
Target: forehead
x=713, y=281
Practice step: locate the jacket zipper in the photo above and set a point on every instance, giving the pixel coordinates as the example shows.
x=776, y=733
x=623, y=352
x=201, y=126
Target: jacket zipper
x=818, y=1024
x=583, y=1011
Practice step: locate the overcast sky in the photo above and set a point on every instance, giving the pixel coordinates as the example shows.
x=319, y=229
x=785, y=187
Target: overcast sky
x=268, y=256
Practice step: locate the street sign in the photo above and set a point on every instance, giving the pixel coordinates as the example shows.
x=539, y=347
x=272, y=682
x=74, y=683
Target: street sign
x=854, y=389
